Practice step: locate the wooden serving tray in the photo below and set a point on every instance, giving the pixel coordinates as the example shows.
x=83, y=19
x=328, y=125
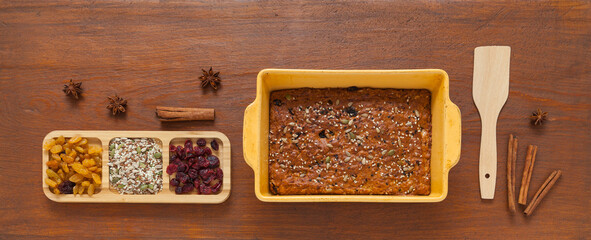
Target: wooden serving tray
x=164, y=139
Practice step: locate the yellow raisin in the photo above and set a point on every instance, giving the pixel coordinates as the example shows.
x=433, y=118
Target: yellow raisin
x=67, y=150
x=51, y=174
x=74, y=139
x=75, y=189
x=86, y=163
x=50, y=183
x=86, y=183
x=65, y=167
x=56, y=191
x=67, y=145
x=67, y=158
x=79, y=168
x=56, y=157
x=90, y=190
x=48, y=144
x=56, y=149
x=88, y=175
x=61, y=174
x=60, y=140
x=58, y=181
x=83, y=141
x=92, y=169
x=98, y=171
x=73, y=154
x=96, y=178
x=79, y=149
x=94, y=150
x=76, y=178
x=52, y=164
x=80, y=189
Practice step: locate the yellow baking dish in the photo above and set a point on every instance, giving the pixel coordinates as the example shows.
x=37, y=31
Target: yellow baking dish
x=446, y=125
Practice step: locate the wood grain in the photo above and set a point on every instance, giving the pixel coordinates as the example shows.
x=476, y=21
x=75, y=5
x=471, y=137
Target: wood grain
x=152, y=52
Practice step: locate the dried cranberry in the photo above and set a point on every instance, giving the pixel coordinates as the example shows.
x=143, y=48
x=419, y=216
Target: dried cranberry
x=178, y=190
x=172, y=168
x=182, y=177
x=206, y=173
x=202, y=162
x=198, y=151
x=194, y=174
x=66, y=187
x=214, y=161
x=216, y=188
x=201, y=142
x=191, y=161
x=172, y=148
x=178, y=150
x=196, y=182
x=209, y=179
x=189, y=144
x=204, y=189
x=195, y=166
x=173, y=157
x=174, y=182
x=188, y=152
x=207, y=151
x=219, y=174
x=214, y=145
x=188, y=187
x=183, y=167
x=177, y=162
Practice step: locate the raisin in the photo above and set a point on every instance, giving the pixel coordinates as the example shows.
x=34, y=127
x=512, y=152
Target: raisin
x=66, y=187
x=322, y=134
x=352, y=89
x=277, y=102
x=351, y=111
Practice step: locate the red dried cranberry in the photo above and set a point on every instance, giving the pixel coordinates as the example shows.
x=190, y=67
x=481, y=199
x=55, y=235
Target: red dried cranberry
x=178, y=150
x=191, y=161
x=204, y=189
x=202, y=162
x=177, y=162
x=189, y=144
x=206, y=173
x=182, y=177
x=196, y=182
x=173, y=157
x=214, y=145
x=187, y=188
x=194, y=174
x=178, y=190
x=201, y=142
x=188, y=152
x=174, y=182
x=198, y=151
x=219, y=174
x=207, y=151
x=195, y=166
x=214, y=161
x=216, y=188
x=172, y=168
x=182, y=167
x=172, y=148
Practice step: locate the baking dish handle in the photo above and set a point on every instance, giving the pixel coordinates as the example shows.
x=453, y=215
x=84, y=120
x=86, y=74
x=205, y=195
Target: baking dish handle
x=250, y=136
x=453, y=137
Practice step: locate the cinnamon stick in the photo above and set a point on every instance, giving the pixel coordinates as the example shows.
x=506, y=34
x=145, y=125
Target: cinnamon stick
x=184, y=114
x=530, y=159
x=541, y=193
x=511, y=159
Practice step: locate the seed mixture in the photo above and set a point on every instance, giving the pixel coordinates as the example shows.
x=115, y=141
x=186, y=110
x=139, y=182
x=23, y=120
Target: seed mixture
x=135, y=165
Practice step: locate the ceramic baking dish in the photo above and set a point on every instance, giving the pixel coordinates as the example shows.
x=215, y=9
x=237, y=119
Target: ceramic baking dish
x=446, y=125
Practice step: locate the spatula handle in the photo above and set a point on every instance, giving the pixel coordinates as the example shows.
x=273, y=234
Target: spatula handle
x=488, y=158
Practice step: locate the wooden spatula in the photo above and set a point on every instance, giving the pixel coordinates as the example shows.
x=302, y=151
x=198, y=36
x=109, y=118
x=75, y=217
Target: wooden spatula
x=490, y=90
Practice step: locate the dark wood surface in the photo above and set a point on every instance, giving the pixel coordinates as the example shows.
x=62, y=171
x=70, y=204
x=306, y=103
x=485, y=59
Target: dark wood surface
x=152, y=53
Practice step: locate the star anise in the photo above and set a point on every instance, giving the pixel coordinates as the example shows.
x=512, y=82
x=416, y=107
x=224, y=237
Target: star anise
x=73, y=88
x=210, y=78
x=538, y=117
x=117, y=104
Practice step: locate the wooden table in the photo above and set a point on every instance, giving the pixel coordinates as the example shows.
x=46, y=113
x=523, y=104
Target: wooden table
x=152, y=53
